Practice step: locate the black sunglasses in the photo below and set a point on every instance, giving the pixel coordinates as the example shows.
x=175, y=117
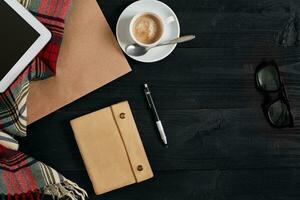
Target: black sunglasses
x=268, y=81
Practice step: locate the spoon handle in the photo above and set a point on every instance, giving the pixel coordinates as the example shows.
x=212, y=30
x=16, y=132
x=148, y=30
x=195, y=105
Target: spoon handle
x=179, y=40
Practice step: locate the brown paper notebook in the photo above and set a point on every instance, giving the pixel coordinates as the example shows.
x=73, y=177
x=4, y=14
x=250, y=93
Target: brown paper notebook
x=111, y=148
x=89, y=58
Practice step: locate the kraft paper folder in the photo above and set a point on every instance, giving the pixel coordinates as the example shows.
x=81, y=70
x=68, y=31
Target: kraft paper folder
x=89, y=58
x=111, y=148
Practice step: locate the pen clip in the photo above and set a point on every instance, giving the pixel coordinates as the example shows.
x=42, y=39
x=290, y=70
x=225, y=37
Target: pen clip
x=147, y=97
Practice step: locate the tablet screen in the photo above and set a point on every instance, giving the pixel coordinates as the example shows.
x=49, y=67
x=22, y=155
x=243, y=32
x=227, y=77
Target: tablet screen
x=16, y=37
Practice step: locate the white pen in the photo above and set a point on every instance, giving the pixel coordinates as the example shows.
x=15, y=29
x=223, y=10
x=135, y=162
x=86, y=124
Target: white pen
x=155, y=114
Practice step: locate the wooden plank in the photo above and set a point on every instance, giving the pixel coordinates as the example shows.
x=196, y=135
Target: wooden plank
x=279, y=184
x=198, y=78
x=224, y=23
x=199, y=139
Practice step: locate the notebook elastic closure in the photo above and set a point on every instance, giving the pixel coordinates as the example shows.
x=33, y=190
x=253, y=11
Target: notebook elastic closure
x=132, y=141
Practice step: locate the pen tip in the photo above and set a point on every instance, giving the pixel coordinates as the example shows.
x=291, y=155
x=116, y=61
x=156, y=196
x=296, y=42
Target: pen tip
x=146, y=85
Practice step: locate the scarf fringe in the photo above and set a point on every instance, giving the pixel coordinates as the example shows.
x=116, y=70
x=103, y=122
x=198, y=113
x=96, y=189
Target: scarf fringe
x=66, y=189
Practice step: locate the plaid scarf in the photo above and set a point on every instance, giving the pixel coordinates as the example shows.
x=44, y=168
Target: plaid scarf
x=20, y=175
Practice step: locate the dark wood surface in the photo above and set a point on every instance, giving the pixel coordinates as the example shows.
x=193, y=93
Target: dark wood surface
x=220, y=145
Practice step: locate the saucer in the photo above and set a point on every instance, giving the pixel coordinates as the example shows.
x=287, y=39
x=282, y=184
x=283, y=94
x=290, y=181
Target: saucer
x=172, y=30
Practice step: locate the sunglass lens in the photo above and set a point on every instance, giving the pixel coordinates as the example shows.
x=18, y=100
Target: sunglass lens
x=268, y=78
x=279, y=114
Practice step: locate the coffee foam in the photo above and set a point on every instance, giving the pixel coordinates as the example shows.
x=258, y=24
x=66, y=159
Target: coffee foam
x=147, y=29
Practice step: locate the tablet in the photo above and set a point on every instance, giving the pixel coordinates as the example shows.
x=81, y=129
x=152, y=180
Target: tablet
x=22, y=37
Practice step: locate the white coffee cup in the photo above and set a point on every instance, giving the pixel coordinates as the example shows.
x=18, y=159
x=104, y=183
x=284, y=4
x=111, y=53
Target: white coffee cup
x=159, y=21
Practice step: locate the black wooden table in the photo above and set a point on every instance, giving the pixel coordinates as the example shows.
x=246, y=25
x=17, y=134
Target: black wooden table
x=220, y=145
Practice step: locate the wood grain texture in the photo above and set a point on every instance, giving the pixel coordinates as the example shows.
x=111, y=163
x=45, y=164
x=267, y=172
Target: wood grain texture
x=221, y=146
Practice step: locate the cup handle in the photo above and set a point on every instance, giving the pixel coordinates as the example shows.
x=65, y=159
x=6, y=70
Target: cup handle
x=169, y=20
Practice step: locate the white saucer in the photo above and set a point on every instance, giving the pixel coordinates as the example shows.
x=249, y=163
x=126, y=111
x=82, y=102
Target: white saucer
x=172, y=30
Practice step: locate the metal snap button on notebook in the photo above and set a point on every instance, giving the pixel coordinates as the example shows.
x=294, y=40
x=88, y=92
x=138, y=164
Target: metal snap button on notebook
x=122, y=115
x=140, y=168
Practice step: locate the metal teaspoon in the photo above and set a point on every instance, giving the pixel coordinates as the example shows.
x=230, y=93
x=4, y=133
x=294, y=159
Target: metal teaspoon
x=137, y=50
